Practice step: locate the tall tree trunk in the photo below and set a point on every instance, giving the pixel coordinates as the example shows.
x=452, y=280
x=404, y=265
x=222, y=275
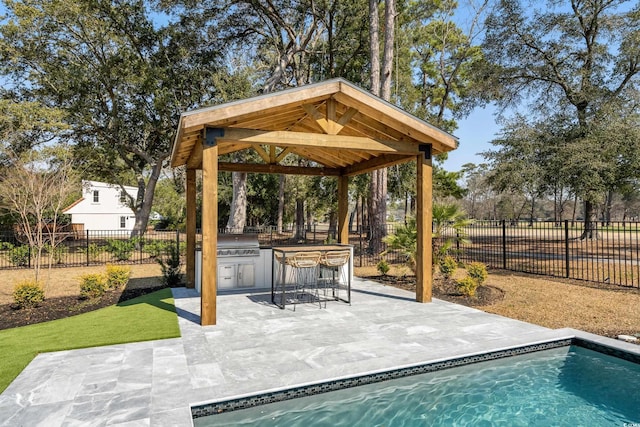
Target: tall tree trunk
x=381, y=83
x=299, y=219
x=607, y=207
x=238, y=214
x=374, y=46
x=280, y=220
x=589, y=231
x=144, y=201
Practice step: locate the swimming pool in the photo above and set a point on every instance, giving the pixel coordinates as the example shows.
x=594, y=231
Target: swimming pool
x=567, y=385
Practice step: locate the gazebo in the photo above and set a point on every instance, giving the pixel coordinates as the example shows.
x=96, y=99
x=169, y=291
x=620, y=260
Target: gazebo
x=341, y=129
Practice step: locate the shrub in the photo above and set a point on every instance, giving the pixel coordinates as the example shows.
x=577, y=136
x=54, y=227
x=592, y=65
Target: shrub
x=448, y=265
x=19, y=256
x=57, y=253
x=28, y=293
x=92, y=285
x=383, y=267
x=5, y=246
x=121, y=250
x=467, y=286
x=95, y=251
x=117, y=276
x=157, y=248
x=478, y=272
x=170, y=266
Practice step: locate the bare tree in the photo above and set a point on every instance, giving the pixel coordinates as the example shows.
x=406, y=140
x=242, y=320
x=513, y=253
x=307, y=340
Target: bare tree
x=36, y=188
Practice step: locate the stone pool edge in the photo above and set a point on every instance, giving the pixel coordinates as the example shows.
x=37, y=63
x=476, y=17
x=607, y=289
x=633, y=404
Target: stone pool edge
x=565, y=338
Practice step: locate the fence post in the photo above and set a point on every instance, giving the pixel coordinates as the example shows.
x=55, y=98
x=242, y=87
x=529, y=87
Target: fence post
x=361, y=254
x=86, y=246
x=504, y=244
x=29, y=262
x=566, y=247
x=178, y=242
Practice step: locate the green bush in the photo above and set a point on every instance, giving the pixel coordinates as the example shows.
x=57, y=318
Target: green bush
x=383, y=267
x=467, y=286
x=157, y=248
x=117, y=276
x=58, y=253
x=94, y=251
x=478, y=272
x=28, y=293
x=92, y=285
x=170, y=266
x=121, y=250
x=447, y=266
x=5, y=246
x=19, y=256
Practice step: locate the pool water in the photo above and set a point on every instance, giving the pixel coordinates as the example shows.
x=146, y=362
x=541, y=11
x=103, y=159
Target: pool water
x=567, y=386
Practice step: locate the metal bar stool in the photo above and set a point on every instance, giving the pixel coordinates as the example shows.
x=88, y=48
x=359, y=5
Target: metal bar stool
x=334, y=262
x=305, y=266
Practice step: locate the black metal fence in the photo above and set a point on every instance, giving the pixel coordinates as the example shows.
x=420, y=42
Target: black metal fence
x=546, y=248
x=611, y=255
x=91, y=247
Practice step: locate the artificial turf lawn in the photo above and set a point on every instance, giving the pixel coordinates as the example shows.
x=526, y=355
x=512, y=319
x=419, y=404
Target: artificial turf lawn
x=148, y=317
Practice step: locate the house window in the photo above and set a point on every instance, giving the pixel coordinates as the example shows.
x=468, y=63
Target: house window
x=123, y=222
x=96, y=196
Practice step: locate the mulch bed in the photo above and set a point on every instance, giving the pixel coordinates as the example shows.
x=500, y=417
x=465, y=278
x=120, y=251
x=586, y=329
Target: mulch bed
x=446, y=290
x=61, y=307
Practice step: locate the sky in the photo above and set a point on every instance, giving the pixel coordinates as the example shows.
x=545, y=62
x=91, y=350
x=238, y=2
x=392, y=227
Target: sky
x=474, y=134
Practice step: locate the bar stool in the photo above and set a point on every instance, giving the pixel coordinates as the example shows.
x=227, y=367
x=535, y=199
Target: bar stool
x=305, y=266
x=334, y=261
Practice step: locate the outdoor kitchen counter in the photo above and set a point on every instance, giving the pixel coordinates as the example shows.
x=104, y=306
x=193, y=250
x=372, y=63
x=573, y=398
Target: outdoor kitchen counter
x=282, y=272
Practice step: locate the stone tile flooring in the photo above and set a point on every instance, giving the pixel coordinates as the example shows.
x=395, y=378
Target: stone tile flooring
x=254, y=347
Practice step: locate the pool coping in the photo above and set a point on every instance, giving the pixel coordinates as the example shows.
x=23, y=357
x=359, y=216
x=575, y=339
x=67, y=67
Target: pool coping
x=608, y=346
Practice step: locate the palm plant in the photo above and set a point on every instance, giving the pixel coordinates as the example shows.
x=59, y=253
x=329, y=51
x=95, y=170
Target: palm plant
x=449, y=227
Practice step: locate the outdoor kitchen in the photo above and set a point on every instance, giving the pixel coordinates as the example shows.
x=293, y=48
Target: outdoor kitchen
x=243, y=265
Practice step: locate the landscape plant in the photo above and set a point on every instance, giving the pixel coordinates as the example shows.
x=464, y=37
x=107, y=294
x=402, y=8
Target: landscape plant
x=477, y=271
x=467, y=286
x=28, y=294
x=447, y=266
x=117, y=276
x=92, y=285
x=94, y=251
x=19, y=255
x=121, y=250
x=383, y=267
x=170, y=266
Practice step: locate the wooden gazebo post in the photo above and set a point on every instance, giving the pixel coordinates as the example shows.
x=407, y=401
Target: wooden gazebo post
x=424, y=271
x=343, y=209
x=209, y=227
x=191, y=227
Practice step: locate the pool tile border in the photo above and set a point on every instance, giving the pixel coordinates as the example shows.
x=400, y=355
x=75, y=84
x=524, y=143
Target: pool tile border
x=234, y=404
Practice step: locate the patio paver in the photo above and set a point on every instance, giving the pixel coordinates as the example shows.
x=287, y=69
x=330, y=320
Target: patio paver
x=254, y=347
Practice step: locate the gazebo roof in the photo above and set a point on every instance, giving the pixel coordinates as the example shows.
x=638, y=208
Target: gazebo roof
x=340, y=128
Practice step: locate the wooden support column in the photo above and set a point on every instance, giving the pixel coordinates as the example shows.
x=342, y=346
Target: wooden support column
x=191, y=228
x=343, y=209
x=424, y=218
x=209, y=227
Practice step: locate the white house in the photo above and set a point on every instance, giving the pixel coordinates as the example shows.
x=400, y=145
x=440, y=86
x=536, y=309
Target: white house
x=102, y=207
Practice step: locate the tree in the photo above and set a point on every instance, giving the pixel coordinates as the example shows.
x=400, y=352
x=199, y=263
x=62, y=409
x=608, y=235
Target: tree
x=36, y=187
x=121, y=79
x=568, y=61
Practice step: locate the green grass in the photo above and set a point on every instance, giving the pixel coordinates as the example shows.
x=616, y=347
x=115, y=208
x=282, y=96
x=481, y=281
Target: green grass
x=148, y=317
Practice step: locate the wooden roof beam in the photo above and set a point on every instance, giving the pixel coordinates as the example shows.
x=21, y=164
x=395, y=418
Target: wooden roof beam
x=310, y=140
x=383, y=161
x=277, y=169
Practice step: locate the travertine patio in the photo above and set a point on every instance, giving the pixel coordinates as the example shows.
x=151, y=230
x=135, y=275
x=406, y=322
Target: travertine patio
x=254, y=347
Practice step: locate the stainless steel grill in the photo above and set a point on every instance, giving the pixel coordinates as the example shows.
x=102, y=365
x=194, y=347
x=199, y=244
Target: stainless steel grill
x=238, y=245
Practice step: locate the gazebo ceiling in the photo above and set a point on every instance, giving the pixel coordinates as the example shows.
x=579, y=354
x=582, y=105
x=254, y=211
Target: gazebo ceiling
x=340, y=128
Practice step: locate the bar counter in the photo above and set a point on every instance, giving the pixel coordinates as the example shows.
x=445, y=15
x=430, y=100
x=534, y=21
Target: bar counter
x=282, y=272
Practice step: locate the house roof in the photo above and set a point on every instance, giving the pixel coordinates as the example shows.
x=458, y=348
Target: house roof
x=72, y=204
x=340, y=128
